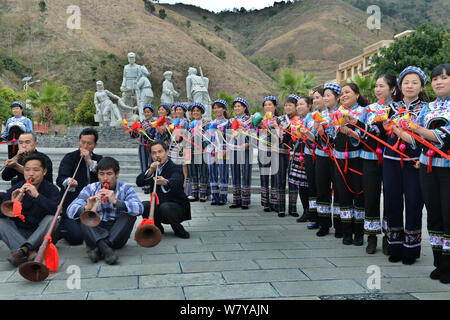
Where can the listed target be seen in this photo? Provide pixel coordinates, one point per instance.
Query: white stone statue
(144, 92)
(168, 91)
(107, 111)
(197, 90)
(127, 103)
(135, 77)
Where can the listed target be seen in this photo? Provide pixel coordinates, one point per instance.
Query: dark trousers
(351, 203)
(167, 213)
(325, 178)
(268, 195)
(371, 179)
(12, 150)
(403, 239)
(303, 193)
(312, 192)
(280, 183)
(145, 160)
(198, 174)
(436, 195)
(70, 230)
(15, 237)
(241, 175)
(218, 178)
(116, 232)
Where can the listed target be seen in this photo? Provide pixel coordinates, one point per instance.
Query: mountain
(109, 30)
(309, 35)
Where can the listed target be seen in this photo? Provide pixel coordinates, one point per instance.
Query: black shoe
(358, 240)
(214, 203)
(182, 234)
(435, 274)
(294, 214)
(347, 239)
(107, 252)
(338, 234)
(221, 204)
(94, 255)
(244, 207)
(266, 209)
(408, 261)
(202, 200)
(281, 214)
(322, 232)
(394, 258)
(193, 199)
(234, 206)
(445, 278)
(371, 244)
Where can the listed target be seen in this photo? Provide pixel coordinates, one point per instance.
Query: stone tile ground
(232, 254)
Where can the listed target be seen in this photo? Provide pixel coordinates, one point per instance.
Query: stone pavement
(232, 254)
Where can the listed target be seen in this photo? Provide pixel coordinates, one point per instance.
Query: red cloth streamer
(17, 210)
(51, 256)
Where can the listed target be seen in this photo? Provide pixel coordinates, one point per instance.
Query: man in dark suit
(87, 173)
(24, 232)
(14, 167)
(174, 206)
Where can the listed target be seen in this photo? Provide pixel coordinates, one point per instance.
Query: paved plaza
(231, 254)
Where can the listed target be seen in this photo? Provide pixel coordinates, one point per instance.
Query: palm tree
(46, 102)
(298, 83)
(366, 86)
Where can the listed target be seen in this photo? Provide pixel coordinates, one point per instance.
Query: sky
(217, 6)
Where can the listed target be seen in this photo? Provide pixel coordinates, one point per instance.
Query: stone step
(127, 157)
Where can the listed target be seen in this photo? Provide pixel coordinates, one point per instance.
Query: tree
(423, 49)
(366, 86)
(291, 58)
(42, 6)
(85, 111)
(298, 83)
(162, 14)
(221, 54)
(52, 96)
(5, 103)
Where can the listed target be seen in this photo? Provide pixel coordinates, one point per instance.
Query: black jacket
(174, 175)
(9, 173)
(67, 168)
(35, 209)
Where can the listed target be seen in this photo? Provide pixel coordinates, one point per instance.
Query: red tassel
(346, 157)
(155, 196)
(51, 256)
(17, 210)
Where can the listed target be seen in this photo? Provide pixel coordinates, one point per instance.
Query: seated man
(14, 167)
(118, 210)
(174, 206)
(87, 173)
(39, 204)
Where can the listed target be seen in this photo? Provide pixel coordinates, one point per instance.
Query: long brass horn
(91, 218)
(147, 234)
(35, 270)
(7, 207)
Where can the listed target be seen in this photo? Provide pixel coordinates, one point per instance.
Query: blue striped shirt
(127, 202)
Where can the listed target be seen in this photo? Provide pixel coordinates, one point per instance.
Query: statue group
(137, 91)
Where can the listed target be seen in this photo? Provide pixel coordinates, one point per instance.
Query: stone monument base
(108, 137)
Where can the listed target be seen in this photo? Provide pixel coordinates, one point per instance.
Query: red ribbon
(51, 256)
